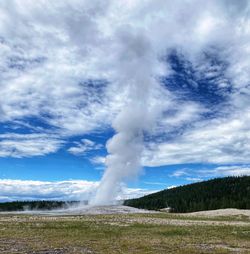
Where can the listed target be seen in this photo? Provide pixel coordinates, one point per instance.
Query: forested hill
(228, 192)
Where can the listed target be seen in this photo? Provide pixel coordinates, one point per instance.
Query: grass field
(127, 233)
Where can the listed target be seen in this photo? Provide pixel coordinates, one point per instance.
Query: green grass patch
(109, 234)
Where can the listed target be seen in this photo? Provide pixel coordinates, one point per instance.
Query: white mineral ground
(221, 212)
(87, 209)
(120, 209)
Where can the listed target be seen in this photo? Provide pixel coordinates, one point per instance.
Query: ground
(138, 233)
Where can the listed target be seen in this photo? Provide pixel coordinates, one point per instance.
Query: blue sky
(130, 96)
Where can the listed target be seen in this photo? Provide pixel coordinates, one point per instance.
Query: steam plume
(125, 147)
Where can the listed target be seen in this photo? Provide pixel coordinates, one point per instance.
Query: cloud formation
(218, 141)
(218, 171)
(28, 145)
(83, 147)
(62, 65)
(11, 190)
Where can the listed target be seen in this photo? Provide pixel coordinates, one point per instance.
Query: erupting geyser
(137, 76)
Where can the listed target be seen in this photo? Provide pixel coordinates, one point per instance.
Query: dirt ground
(221, 212)
(120, 230)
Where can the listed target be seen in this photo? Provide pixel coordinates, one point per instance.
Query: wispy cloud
(99, 160)
(27, 145)
(230, 170)
(194, 179)
(65, 74)
(217, 171)
(59, 190)
(180, 172)
(220, 141)
(83, 147)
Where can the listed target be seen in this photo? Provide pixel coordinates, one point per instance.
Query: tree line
(219, 193)
(35, 205)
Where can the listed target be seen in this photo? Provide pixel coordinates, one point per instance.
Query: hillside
(228, 192)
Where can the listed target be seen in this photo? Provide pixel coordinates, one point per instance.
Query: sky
(77, 75)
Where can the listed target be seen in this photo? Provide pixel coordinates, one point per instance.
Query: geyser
(137, 77)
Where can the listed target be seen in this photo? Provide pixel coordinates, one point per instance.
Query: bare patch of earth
(123, 221)
(86, 210)
(138, 233)
(221, 212)
(8, 246)
(212, 247)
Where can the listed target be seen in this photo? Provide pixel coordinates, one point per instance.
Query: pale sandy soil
(115, 209)
(221, 212)
(181, 219)
(88, 210)
(119, 209)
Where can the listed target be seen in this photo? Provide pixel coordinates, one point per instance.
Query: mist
(137, 77)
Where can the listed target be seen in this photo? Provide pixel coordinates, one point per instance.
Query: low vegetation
(228, 192)
(124, 233)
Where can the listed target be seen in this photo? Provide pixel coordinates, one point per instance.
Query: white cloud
(179, 172)
(83, 147)
(59, 190)
(219, 171)
(194, 179)
(220, 141)
(48, 77)
(230, 170)
(32, 190)
(127, 193)
(26, 145)
(99, 160)
(171, 187)
(49, 52)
